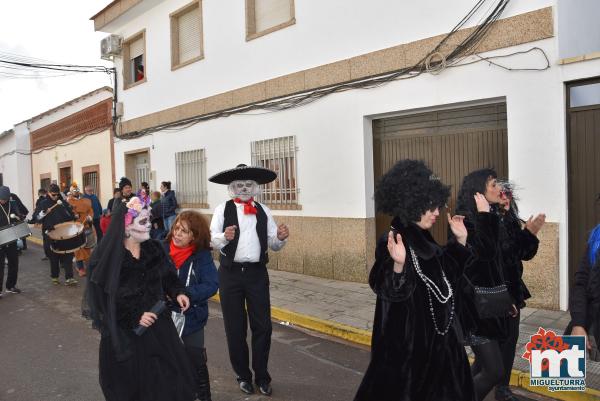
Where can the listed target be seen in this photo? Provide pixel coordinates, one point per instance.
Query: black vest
(230, 214)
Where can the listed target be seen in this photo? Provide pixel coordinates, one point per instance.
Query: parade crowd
(149, 273)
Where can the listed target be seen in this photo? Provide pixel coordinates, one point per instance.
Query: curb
(35, 240)
(339, 330)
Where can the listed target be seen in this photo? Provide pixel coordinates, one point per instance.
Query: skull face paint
(139, 229)
(243, 189)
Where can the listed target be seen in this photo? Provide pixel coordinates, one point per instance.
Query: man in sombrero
(243, 230)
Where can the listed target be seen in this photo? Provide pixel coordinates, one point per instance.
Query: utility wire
(428, 63)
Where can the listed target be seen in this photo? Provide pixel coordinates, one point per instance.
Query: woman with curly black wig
(416, 350)
(478, 190)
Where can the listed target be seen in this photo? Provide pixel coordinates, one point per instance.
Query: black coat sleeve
(21, 211)
(455, 258)
(527, 244)
(394, 287)
(483, 235)
(578, 298)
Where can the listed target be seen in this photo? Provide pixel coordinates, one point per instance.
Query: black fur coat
(409, 360)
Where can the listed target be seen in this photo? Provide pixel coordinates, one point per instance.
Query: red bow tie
(249, 208)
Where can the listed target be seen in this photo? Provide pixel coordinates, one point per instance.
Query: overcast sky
(59, 31)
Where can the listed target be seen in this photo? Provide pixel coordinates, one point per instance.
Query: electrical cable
(428, 63)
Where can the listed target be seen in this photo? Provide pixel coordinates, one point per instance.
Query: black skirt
(158, 369)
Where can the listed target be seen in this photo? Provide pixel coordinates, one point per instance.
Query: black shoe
(14, 290)
(503, 393)
(246, 387)
(45, 258)
(265, 389)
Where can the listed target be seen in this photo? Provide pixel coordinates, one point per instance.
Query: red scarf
(180, 255)
(249, 208)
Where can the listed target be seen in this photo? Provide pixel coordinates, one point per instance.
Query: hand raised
(397, 251)
(483, 206)
(457, 225)
(230, 233)
(534, 225)
(283, 232)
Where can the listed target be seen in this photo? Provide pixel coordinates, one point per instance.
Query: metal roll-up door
(452, 143)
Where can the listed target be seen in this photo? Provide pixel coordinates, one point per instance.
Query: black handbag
(491, 302)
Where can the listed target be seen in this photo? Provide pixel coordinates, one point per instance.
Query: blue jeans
(168, 222)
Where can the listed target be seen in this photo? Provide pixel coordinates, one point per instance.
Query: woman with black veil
(416, 349)
(128, 274)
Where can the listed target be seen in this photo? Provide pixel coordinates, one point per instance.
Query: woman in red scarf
(188, 245)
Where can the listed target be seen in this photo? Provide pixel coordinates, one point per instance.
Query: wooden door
(451, 142)
(583, 132)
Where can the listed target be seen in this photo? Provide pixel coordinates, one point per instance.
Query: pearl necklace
(431, 287)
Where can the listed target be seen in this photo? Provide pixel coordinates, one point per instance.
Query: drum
(67, 237)
(90, 237)
(13, 232)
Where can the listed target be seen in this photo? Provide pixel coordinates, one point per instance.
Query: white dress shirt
(248, 249)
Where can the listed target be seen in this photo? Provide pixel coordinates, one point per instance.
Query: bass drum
(67, 237)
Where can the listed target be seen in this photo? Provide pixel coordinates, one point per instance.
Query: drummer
(52, 211)
(13, 211)
(84, 212)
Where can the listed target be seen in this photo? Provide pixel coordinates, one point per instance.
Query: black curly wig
(474, 182)
(408, 190)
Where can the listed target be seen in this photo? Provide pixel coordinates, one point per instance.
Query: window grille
(91, 179)
(279, 155)
(191, 179)
(45, 183)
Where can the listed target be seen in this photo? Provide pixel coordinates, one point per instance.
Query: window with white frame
(279, 155)
(134, 60)
(266, 16)
(186, 35)
(190, 170)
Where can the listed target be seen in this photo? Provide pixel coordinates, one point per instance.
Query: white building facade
(15, 162)
(505, 107)
(74, 143)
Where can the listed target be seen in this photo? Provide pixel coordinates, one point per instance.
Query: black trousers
(488, 369)
(509, 346)
(57, 260)
(98, 230)
(11, 254)
(244, 287)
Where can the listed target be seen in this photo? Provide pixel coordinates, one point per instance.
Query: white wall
(93, 149)
(326, 31)
(16, 167)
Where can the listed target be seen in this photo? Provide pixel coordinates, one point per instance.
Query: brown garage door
(583, 119)
(451, 142)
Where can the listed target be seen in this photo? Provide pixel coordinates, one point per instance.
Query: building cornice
(112, 11)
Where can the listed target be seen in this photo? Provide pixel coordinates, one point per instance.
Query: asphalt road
(48, 352)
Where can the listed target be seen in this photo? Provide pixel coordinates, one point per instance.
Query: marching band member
(52, 211)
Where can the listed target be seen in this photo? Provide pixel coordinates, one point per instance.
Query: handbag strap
(187, 282)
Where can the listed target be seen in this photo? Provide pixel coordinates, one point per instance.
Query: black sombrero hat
(242, 173)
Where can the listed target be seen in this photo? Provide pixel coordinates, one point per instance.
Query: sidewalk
(345, 310)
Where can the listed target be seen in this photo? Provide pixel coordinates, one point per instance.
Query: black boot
(198, 359)
(203, 379)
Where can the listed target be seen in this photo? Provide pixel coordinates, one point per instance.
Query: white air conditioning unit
(110, 47)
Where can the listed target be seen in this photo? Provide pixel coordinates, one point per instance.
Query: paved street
(50, 353)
